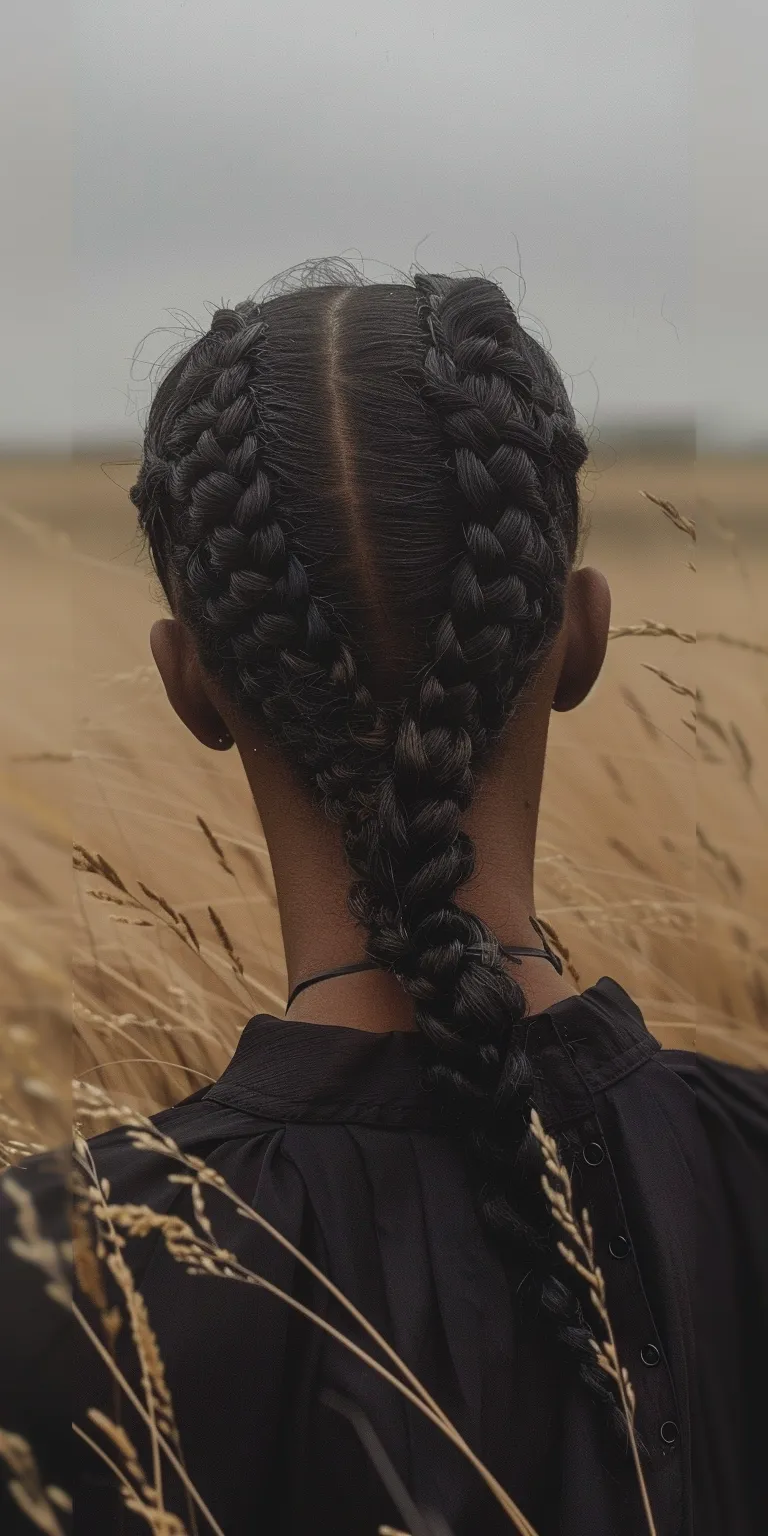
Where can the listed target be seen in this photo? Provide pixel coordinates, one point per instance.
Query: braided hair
(362, 499)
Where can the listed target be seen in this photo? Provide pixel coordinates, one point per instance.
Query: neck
(319, 934)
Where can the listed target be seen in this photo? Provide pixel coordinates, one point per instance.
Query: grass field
(652, 859)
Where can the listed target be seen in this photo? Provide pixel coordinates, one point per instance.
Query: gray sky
(212, 143)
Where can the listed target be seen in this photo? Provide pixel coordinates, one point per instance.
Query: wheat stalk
(735, 640)
(155, 907)
(226, 942)
(685, 524)
(203, 1258)
(137, 1494)
(52, 1259)
(38, 1502)
(125, 1386)
(561, 948)
(671, 682)
(651, 627)
(94, 1194)
(720, 857)
(202, 1255)
(579, 1252)
(90, 1201)
(215, 844)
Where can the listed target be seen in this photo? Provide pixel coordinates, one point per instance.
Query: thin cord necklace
(512, 952)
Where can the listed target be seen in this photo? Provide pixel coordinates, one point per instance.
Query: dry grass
(171, 934)
(650, 868)
(39, 1503)
(577, 1248)
(196, 1248)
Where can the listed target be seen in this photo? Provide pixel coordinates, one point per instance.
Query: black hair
(362, 499)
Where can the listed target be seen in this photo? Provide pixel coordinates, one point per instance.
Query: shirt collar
(286, 1071)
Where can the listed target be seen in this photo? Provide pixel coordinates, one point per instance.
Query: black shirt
(329, 1134)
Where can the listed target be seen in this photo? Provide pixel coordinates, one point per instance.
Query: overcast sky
(168, 154)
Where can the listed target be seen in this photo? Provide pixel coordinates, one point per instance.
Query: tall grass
(649, 867)
(649, 861)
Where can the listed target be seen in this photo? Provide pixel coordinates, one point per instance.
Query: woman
(362, 504)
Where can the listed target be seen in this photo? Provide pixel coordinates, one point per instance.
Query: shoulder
(731, 1101)
(237, 1159)
(731, 1106)
(689, 1138)
(705, 1103)
(137, 1155)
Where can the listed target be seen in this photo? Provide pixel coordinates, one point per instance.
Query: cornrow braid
(238, 582)
(507, 590)
(233, 523)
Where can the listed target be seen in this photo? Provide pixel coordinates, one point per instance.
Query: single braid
(506, 598)
(398, 775)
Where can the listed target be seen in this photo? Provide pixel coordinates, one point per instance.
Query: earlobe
(177, 662)
(588, 616)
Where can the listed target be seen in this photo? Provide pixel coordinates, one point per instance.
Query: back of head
(362, 499)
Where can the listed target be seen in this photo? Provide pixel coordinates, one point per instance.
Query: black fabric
(329, 1134)
(37, 1340)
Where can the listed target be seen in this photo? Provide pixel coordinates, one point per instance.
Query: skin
(311, 875)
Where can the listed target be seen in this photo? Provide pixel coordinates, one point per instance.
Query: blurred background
(604, 163)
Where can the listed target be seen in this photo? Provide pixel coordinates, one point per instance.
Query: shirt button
(669, 1432)
(618, 1247)
(649, 1354)
(593, 1154)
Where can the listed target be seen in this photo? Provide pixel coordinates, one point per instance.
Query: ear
(585, 637)
(177, 662)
